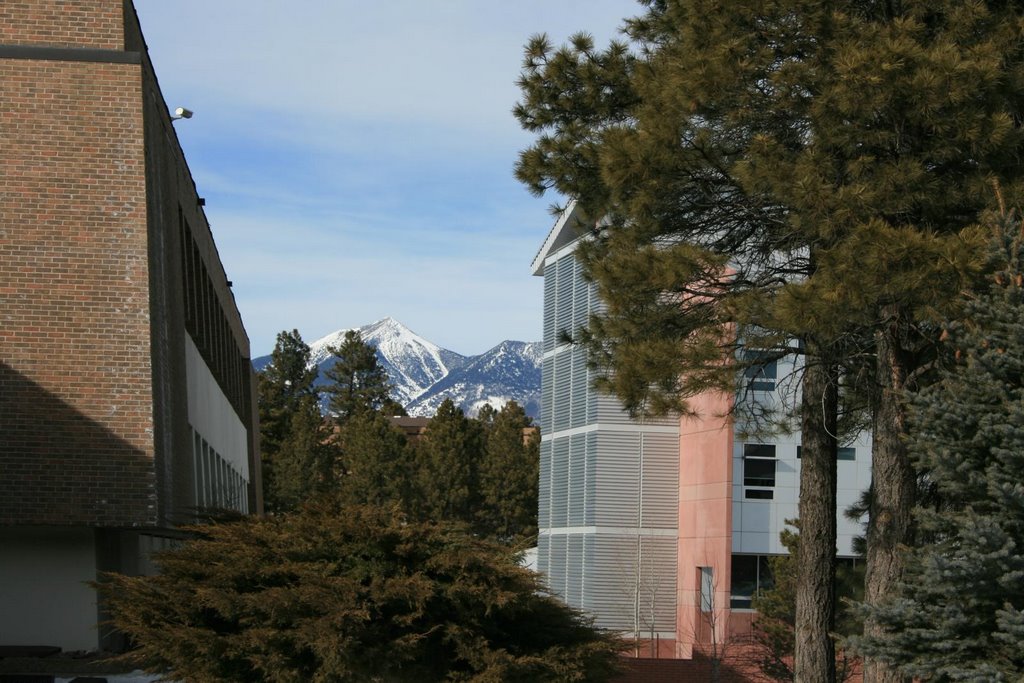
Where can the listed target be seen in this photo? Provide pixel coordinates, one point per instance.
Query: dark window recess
(759, 466)
(759, 494)
(762, 371)
(207, 324)
(844, 453)
(759, 450)
(744, 581)
(751, 574)
(758, 472)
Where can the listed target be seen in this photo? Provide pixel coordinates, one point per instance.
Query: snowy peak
(424, 374)
(412, 363)
(508, 372)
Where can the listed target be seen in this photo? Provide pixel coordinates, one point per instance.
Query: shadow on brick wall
(62, 467)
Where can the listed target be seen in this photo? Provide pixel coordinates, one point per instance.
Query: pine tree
(348, 594)
(357, 382)
(831, 159)
(376, 462)
(508, 476)
(959, 615)
(448, 459)
(291, 433)
(774, 631)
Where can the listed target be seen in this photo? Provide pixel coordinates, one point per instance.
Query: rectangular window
(759, 465)
(208, 479)
(751, 574)
(197, 457)
(744, 581)
(844, 453)
(762, 371)
(707, 589)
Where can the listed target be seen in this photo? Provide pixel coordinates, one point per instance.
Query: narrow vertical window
(707, 589)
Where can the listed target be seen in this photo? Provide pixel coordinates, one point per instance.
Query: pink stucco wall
(705, 520)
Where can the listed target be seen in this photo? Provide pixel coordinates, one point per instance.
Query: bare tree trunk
(815, 660)
(893, 482)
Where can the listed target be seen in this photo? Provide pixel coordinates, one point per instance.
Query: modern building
(661, 530)
(126, 390)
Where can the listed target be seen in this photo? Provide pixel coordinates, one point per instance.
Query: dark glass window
(761, 374)
(751, 574)
(758, 465)
(844, 453)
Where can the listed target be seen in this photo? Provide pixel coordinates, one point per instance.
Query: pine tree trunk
(815, 660)
(893, 482)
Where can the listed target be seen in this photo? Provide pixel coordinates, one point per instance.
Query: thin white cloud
(357, 156)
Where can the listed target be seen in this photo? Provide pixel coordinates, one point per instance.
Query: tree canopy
(790, 170)
(295, 458)
(509, 470)
(356, 381)
(449, 464)
(350, 593)
(959, 613)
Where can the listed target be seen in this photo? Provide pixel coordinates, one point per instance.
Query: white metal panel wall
(579, 389)
(617, 485)
(589, 513)
(660, 480)
(560, 483)
(562, 392)
(578, 476)
(556, 565)
(544, 490)
(609, 486)
(575, 575)
(547, 395)
(611, 580)
(563, 297)
(550, 285)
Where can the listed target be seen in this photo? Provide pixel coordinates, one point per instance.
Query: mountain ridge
(423, 374)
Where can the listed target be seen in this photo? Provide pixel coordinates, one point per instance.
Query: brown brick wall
(94, 24)
(76, 416)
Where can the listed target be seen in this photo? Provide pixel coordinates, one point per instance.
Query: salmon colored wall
(705, 519)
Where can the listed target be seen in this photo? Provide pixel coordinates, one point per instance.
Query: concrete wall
(45, 600)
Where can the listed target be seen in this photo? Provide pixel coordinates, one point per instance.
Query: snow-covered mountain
(413, 364)
(424, 374)
(508, 372)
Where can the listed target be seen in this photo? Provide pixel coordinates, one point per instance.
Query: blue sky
(356, 157)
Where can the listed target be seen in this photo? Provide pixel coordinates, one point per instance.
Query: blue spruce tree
(960, 612)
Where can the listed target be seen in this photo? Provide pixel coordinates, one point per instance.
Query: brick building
(126, 390)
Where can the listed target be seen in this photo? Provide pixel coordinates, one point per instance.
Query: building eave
(563, 232)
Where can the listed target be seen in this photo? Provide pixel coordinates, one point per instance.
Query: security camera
(182, 113)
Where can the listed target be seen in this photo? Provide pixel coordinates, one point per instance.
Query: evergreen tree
(291, 433)
(350, 594)
(376, 462)
(959, 615)
(508, 476)
(356, 382)
(807, 169)
(448, 459)
(774, 631)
